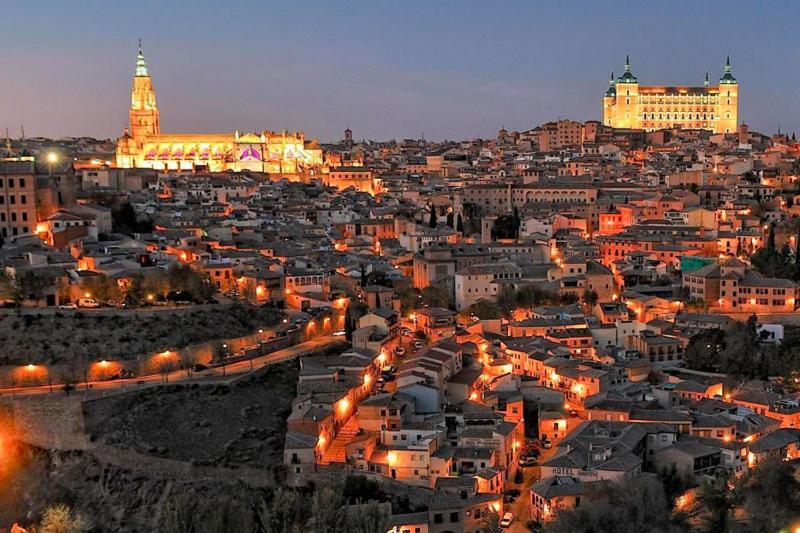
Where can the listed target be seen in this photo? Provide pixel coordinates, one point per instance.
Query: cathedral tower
(144, 119)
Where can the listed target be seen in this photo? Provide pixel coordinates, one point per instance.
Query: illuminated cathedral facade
(627, 104)
(144, 146)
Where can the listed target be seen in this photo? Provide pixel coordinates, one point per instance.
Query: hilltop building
(144, 146)
(627, 104)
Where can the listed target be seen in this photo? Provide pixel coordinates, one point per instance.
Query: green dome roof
(727, 77)
(627, 77)
(612, 90)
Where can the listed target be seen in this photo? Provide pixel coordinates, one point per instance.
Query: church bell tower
(144, 119)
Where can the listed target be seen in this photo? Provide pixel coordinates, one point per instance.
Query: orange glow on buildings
(144, 146)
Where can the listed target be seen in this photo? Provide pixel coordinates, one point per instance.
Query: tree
(363, 270)
(328, 512)
(742, 355)
(432, 219)
(703, 351)
(450, 219)
(713, 505)
(124, 220)
(368, 518)
(378, 277)
(490, 521)
(506, 300)
(460, 224)
(225, 514)
(630, 505)
(287, 512)
(62, 519)
(517, 222)
(771, 496)
(221, 353)
(28, 285)
(409, 299)
(433, 296)
(590, 298)
(504, 227)
(483, 310)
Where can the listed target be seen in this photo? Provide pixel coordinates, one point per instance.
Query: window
(438, 518)
(454, 517)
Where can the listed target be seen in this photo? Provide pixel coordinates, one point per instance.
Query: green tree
(506, 300)
(433, 296)
(714, 505)
(483, 310)
(225, 515)
(742, 355)
(432, 219)
(460, 224)
(590, 298)
(368, 517)
(328, 512)
(703, 351)
(287, 512)
(29, 285)
(771, 494)
(631, 505)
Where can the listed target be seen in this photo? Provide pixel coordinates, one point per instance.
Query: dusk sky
(387, 69)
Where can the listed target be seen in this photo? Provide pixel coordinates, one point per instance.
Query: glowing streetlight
(52, 157)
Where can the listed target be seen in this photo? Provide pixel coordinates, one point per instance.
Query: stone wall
(51, 422)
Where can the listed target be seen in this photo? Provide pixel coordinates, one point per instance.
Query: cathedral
(627, 104)
(144, 146)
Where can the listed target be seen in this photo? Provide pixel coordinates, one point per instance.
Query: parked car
(68, 306)
(406, 332)
(506, 520)
(526, 460)
(546, 444)
(88, 302)
(573, 412)
(400, 351)
(199, 367)
(418, 344)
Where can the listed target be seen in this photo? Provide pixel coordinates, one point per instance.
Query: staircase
(336, 451)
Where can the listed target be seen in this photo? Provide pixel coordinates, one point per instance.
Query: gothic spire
(141, 67)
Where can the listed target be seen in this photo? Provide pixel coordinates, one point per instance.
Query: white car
(68, 306)
(506, 520)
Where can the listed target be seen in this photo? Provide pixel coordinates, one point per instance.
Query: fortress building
(627, 104)
(144, 146)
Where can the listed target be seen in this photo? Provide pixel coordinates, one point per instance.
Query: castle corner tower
(144, 120)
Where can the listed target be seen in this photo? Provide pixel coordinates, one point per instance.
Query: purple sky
(450, 69)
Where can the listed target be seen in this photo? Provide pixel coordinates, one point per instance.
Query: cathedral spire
(141, 67)
(627, 63)
(705, 83)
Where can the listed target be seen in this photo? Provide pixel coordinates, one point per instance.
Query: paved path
(229, 372)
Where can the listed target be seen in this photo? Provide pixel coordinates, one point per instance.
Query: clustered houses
(565, 266)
